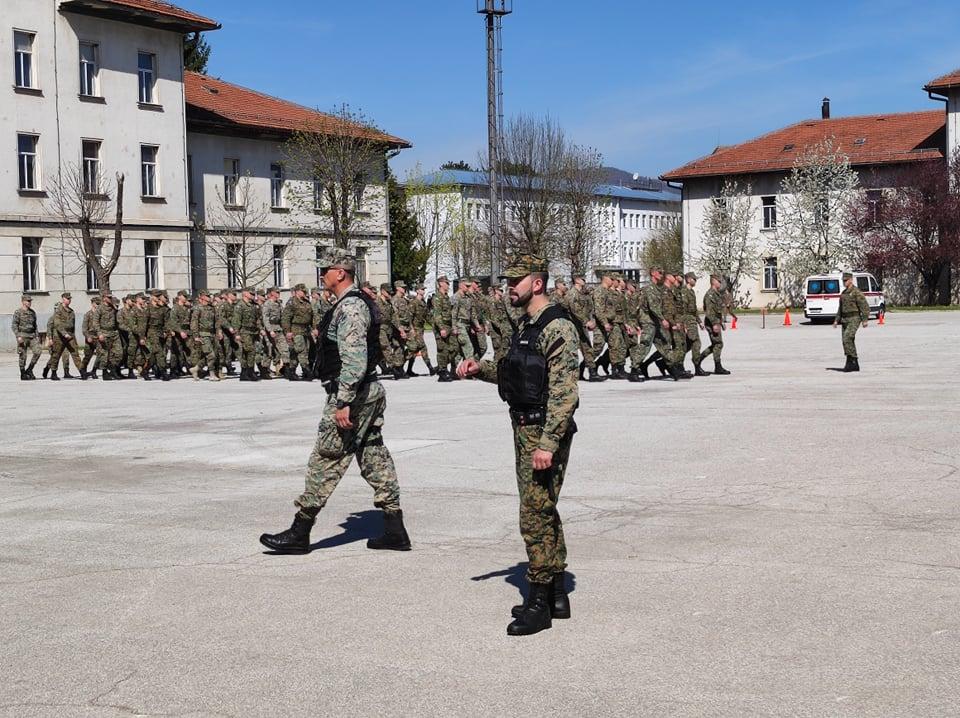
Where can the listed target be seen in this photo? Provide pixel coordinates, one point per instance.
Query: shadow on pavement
(516, 576)
(358, 526)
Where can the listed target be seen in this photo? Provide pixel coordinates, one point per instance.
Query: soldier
(676, 335)
(24, 328)
(107, 329)
(442, 320)
(460, 313)
(352, 421)
(63, 329)
(418, 322)
(320, 308)
(272, 313)
(178, 326)
(538, 380)
(580, 306)
(156, 335)
(501, 324)
(227, 332)
(390, 334)
(262, 350)
(606, 303)
(91, 344)
(851, 313)
(138, 336)
(713, 303)
(691, 322)
(478, 318)
(123, 327)
(246, 320)
(203, 328)
(297, 322)
(403, 314)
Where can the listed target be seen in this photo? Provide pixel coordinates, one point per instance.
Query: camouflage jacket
(713, 307)
(320, 309)
(559, 343)
(402, 312)
(123, 318)
(619, 307)
(246, 317)
(297, 316)
(461, 311)
(688, 298)
(105, 320)
(272, 313)
(478, 310)
(442, 317)
(203, 320)
(64, 320)
(137, 320)
(87, 325)
(156, 320)
(670, 301)
(853, 304)
(179, 319)
(418, 312)
(24, 323)
(349, 322)
(604, 305)
(580, 305)
(388, 320)
(224, 313)
(651, 301)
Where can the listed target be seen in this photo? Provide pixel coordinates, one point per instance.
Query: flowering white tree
(730, 247)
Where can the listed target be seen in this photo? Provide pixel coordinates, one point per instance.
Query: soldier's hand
(315, 333)
(665, 324)
(468, 368)
(198, 340)
(443, 333)
(608, 327)
(143, 342)
(68, 337)
(591, 325)
(865, 325)
(20, 340)
(403, 334)
(716, 328)
(183, 335)
(102, 338)
(342, 417)
(542, 460)
(273, 335)
(290, 336)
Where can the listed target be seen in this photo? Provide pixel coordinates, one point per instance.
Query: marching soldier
(442, 321)
(605, 309)
(107, 328)
(538, 380)
(390, 334)
(272, 313)
(403, 315)
(139, 356)
(91, 344)
(691, 322)
(63, 327)
(24, 327)
(123, 327)
(501, 325)
(461, 318)
(352, 420)
(297, 322)
(418, 321)
(851, 313)
(203, 328)
(156, 334)
(246, 320)
(713, 306)
(262, 344)
(580, 307)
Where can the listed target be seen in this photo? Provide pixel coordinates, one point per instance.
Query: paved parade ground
(780, 541)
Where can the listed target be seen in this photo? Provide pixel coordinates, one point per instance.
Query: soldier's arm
(285, 316)
(836, 320)
(352, 329)
(15, 323)
(559, 343)
(864, 307)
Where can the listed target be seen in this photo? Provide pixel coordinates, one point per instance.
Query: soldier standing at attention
(246, 319)
(538, 380)
(418, 322)
(580, 306)
(203, 327)
(24, 327)
(713, 303)
(852, 312)
(64, 329)
(272, 313)
(352, 421)
(691, 322)
(106, 325)
(91, 345)
(442, 320)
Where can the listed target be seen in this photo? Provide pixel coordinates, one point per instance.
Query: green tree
(458, 165)
(408, 258)
(665, 250)
(196, 52)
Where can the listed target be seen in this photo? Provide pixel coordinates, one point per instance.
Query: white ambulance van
(822, 294)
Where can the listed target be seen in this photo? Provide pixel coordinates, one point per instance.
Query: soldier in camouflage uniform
(538, 380)
(272, 313)
(298, 324)
(460, 314)
(478, 318)
(320, 307)
(262, 346)
(156, 336)
(246, 320)
(390, 334)
(403, 314)
(691, 322)
(442, 321)
(138, 336)
(123, 327)
(418, 322)
(639, 315)
(501, 324)
(63, 331)
(677, 335)
(852, 312)
(91, 345)
(107, 330)
(227, 331)
(24, 328)
(713, 303)
(178, 325)
(203, 328)
(580, 306)
(606, 308)
(352, 421)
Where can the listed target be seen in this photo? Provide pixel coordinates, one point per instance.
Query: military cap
(228, 290)
(183, 293)
(95, 299)
(523, 264)
(689, 275)
(717, 277)
(316, 290)
(655, 268)
(847, 275)
(26, 298)
(386, 287)
(261, 292)
(366, 285)
(337, 257)
(66, 295)
(615, 275)
(273, 289)
(422, 287)
(399, 284)
(443, 278)
(465, 280)
(155, 293)
(251, 290)
(575, 277)
(300, 287)
(203, 293)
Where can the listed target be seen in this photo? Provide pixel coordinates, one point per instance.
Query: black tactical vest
(522, 374)
(328, 357)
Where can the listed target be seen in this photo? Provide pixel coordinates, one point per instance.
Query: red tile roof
(866, 140)
(156, 9)
(951, 79)
(215, 104)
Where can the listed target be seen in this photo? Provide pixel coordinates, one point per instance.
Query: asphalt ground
(781, 541)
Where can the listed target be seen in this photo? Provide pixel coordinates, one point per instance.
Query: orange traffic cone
(880, 320)
(786, 318)
(734, 325)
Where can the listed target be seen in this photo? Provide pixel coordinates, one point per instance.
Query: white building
(98, 88)
(878, 146)
(631, 209)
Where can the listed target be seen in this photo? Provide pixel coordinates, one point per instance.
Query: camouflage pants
(91, 349)
(446, 351)
(137, 352)
(181, 350)
(500, 338)
(157, 351)
(849, 336)
(692, 340)
(300, 352)
(415, 343)
(663, 341)
(589, 358)
(60, 345)
(336, 447)
(540, 525)
(480, 344)
(28, 344)
(390, 347)
(614, 339)
(464, 343)
(111, 350)
(279, 349)
(204, 351)
(716, 340)
(640, 350)
(248, 349)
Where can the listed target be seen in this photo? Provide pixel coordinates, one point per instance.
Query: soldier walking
(851, 313)
(691, 322)
(91, 344)
(272, 313)
(418, 322)
(538, 380)
(24, 327)
(107, 329)
(156, 335)
(442, 320)
(713, 307)
(63, 330)
(203, 328)
(352, 420)
(246, 319)
(461, 318)
(580, 306)
(297, 323)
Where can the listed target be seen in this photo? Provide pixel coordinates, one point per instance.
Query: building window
(190, 179)
(320, 251)
(279, 266)
(771, 282)
(91, 166)
(769, 212)
(231, 176)
(317, 195)
(32, 275)
(147, 74)
(361, 254)
(27, 162)
(23, 58)
(276, 186)
(874, 202)
(89, 69)
(148, 170)
(92, 283)
(151, 263)
(233, 265)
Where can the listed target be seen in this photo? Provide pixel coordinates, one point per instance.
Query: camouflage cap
(156, 293)
(716, 277)
(847, 275)
(94, 300)
(337, 257)
(421, 287)
(261, 292)
(443, 278)
(690, 275)
(575, 277)
(300, 287)
(271, 290)
(385, 287)
(399, 284)
(316, 290)
(465, 280)
(26, 298)
(655, 268)
(228, 291)
(66, 295)
(203, 293)
(523, 264)
(183, 293)
(249, 290)
(366, 285)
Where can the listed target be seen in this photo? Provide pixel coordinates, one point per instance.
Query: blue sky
(651, 85)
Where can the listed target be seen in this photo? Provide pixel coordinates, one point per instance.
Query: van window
(831, 286)
(814, 286)
(862, 284)
(874, 285)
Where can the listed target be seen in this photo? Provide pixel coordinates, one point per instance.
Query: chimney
(825, 109)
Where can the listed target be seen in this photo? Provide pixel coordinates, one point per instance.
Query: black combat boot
(595, 375)
(718, 369)
(290, 372)
(93, 373)
(698, 370)
(856, 364)
(848, 367)
(410, 371)
(559, 601)
(107, 374)
(145, 374)
(430, 367)
(46, 371)
(30, 374)
(398, 373)
(252, 375)
(619, 372)
(265, 373)
(444, 376)
(307, 375)
(165, 375)
(295, 539)
(603, 362)
(244, 376)
(394, 534)
(583, 370)
(230, 369)
(24, 376)
(635, 375)
(67, 374)
(53, 376)
(535, 616)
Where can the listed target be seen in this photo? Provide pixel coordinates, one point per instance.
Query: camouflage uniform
(501, 327)
(442, 319)
(63, 328)
(226, 334)
(138, 356)
(691, 323)
(181, 348)
(246, 320)
(403, 316)
(203, 328)
(418, 321)
(851, 313)
(297, 319)
(272, 313)
(389, 333)
(24, 328)
(156, 335)
(478, 318)
(713, 319)
(580, 306)
(606, 303)
(669, 300)
(91, 344)
(460, 314)
(645, 324)
(106, 325)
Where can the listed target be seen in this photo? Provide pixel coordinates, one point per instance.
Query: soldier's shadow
(358, 526)
(516, 576)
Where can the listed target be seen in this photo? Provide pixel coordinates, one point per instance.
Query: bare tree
(730, 248)
(665, 248)
(811, 235)
(339, 161)
(469, 249)
(584, 219)
(233, 235)
(80, 200)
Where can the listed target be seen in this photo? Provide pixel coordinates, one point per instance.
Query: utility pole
(494, 10)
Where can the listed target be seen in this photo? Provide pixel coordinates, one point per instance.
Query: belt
(332, 387)
(534, 417)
